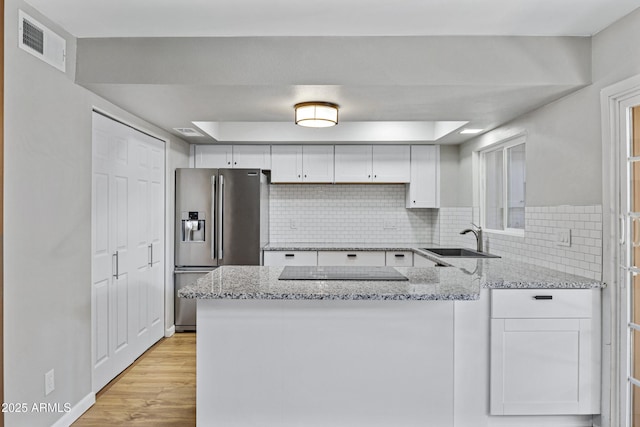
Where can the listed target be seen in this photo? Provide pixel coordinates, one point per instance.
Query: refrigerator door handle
(221, 218)
(213, 217)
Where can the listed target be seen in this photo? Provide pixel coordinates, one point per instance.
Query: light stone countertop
(258, 282)
(461, 280)
(345, 246)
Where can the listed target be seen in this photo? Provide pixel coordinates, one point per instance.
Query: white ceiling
(371, 87)
(193, 18)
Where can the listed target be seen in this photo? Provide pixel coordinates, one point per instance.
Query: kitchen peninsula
(353, 353)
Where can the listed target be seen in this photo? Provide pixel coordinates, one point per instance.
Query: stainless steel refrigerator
(222, 218)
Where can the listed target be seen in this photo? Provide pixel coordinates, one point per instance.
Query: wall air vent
(41, 42)
(188, 131)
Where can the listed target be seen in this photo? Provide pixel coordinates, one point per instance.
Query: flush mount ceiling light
(316, 114)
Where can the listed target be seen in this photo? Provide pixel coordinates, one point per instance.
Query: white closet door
(156, 241)
(128, 180)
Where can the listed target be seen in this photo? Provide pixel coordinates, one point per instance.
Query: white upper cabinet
(317, 163)
(297, 163)
(391, 163)
(377, 163)
(424, 189)
(213, 156)
(353, 163)
(286, 163)
(252, 156)
(233, 156)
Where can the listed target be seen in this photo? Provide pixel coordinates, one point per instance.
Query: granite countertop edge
(330, 297)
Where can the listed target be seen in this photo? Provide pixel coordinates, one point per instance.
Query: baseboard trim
(170, 331)
(76, 411)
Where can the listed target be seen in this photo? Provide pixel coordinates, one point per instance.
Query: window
(503, 189)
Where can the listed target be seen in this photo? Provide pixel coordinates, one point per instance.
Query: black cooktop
(340, 273)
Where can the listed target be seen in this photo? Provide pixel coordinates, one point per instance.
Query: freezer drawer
(185, 309)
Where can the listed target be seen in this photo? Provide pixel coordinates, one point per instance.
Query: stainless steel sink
(458, 253)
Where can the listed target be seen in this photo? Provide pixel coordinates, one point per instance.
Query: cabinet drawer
(399, 258)
(277, 258)
(370, 258)
(420, 261)
(541, 303)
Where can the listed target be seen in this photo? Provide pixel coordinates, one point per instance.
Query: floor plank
(159, 389)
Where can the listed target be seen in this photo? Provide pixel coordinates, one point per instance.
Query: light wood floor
(159, 389)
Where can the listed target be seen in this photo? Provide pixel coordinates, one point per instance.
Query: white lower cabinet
(399, 258)
(277, 258)
(420, 261)
(545, 351)
(364, 258)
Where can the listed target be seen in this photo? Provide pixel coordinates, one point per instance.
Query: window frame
(503, 146)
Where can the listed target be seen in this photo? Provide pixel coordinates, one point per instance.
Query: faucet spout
(477, 232)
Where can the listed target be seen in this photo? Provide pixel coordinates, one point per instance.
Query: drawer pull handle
(289, 255)
(351, 255)
(399, 255)
(543, 297)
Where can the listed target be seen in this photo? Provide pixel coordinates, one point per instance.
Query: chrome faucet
(477, 231)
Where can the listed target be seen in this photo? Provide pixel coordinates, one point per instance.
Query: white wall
(564, 153)
(47, 275)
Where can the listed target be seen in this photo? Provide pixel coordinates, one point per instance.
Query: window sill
(510, 232)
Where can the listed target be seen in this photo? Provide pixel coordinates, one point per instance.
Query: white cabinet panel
(391, 163)
(278, 258)
(365, 258)
(297, 163)
(420, 261)
(353, 163)
(399, 258)
(252, 156)
(541, 303)
(317, 163)
(233, 156)
(545, 352)
(286, 163)
(424, 189)
(213, 156)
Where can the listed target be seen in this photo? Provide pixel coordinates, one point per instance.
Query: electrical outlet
(389, 224)
(292, 224)
(563, 237)
(49, 382)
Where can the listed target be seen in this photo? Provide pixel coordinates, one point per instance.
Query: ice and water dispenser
(193, 226)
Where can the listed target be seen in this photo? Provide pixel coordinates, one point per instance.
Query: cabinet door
(339, 258)
(286, 163)
(252, 156)
(541, 366)
(213, 156)
(278, 258)
(399, 258)
(353, 163)
(317, 163)
(424, 189)
(391, 163)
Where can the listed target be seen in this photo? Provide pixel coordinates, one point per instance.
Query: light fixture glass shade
(316, 114)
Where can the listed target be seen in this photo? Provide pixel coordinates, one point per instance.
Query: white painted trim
(76, 411)
(502, 145)
(614, 399)
(170, 331)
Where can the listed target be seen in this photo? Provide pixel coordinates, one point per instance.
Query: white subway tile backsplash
(377, 214)
(347, 214)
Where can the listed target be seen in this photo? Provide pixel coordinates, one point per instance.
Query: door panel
(240, 212)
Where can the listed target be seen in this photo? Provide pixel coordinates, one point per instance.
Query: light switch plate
(563, 237)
